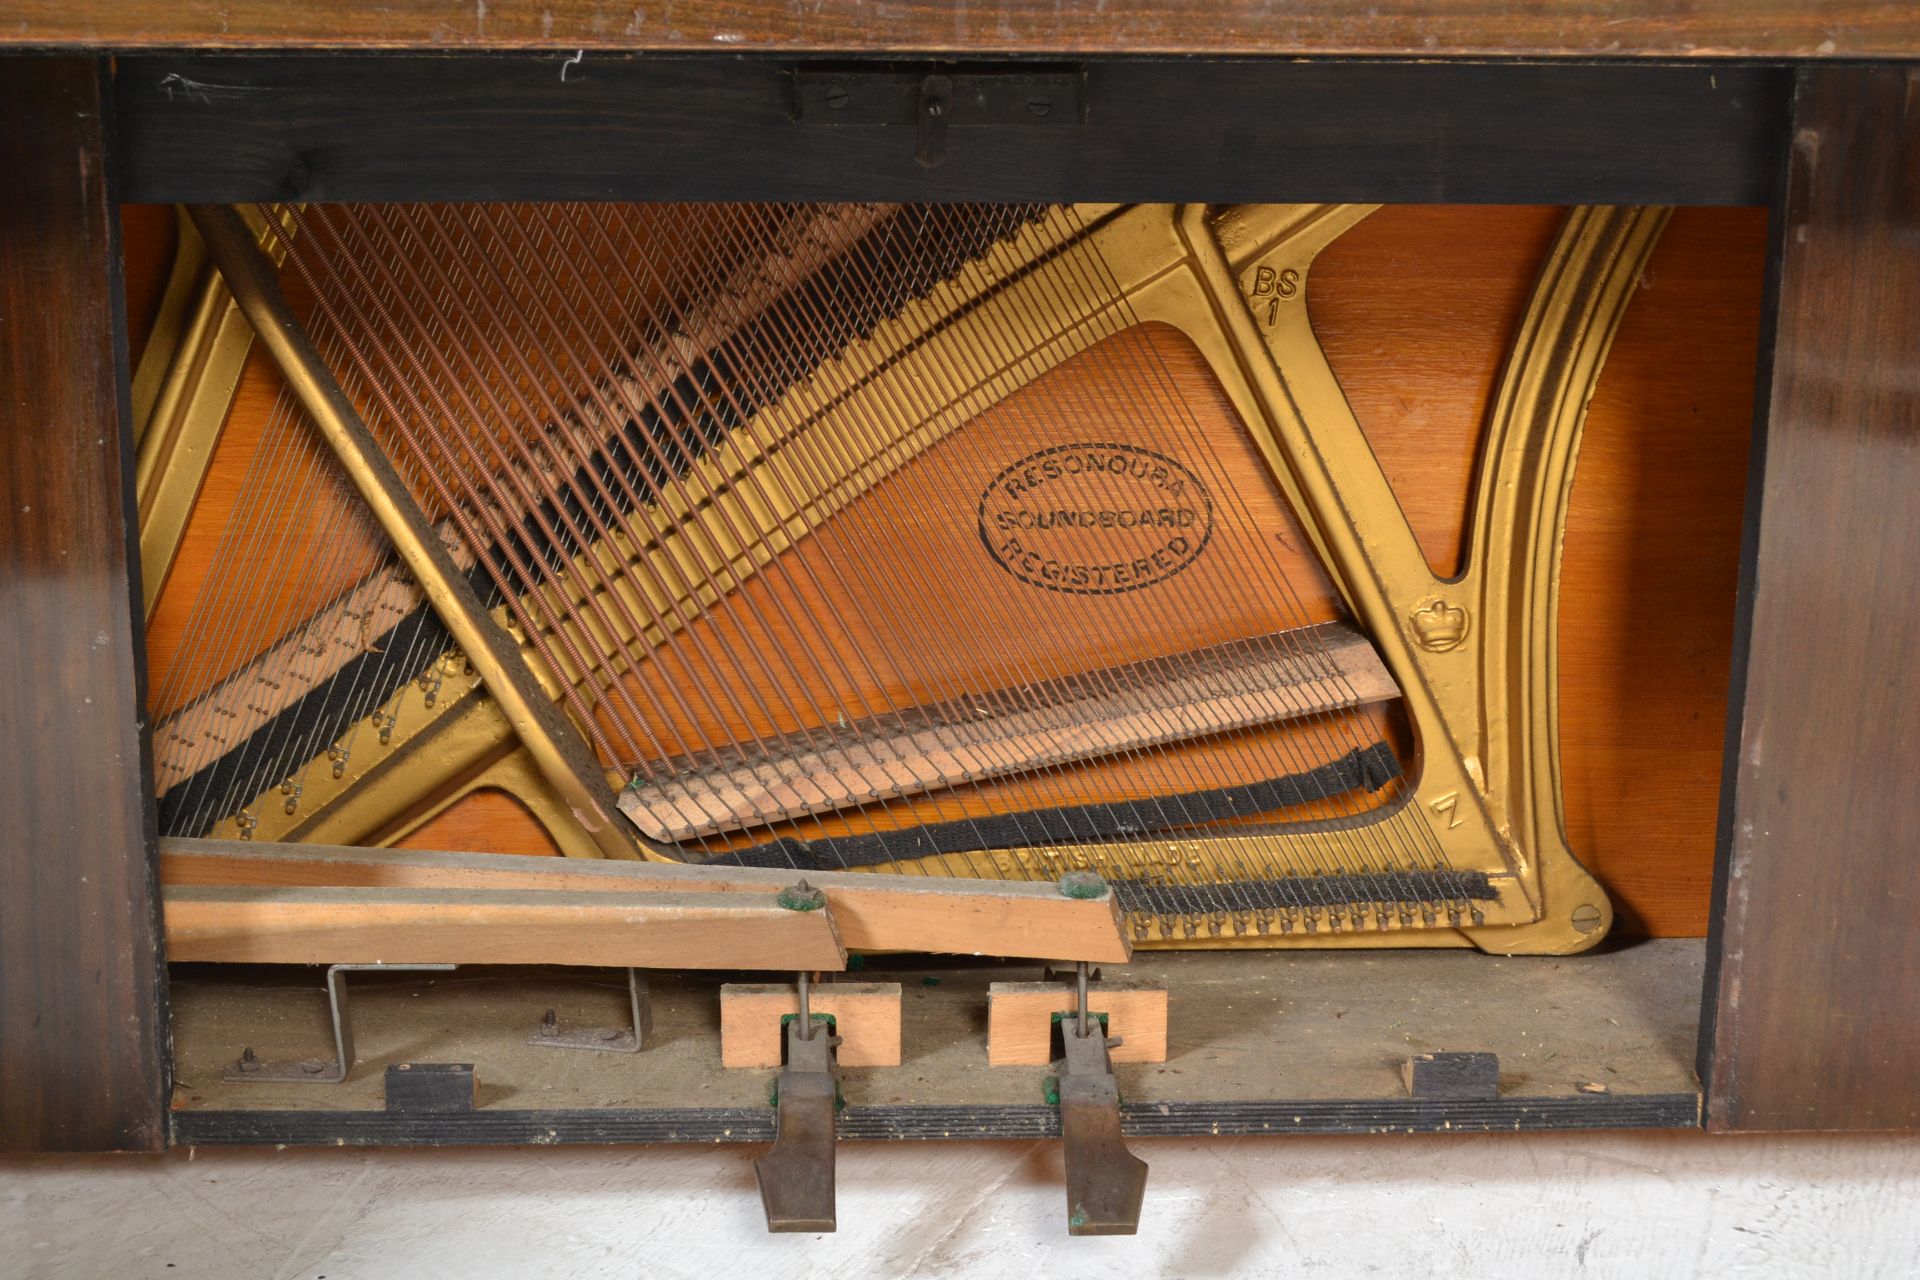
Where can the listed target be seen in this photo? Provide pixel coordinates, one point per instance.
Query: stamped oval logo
(1095, 519)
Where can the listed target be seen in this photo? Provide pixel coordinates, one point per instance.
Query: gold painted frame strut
(183, 392)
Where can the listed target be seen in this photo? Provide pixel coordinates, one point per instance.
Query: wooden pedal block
(866, 1017)
(1020, 1021)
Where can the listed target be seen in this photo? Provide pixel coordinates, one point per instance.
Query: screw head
(1039, 105)
(1586, 917)
(1083, 884)
(837, 98)
(801, 897)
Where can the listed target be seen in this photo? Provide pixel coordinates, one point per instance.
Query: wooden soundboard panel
(1414, 308)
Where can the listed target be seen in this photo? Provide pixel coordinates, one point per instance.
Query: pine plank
(257, 925)
(866, 1017)
(874, 912)
(1020, 1021)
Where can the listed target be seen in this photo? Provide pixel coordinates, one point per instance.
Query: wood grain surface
(1414, 308)
(550, 126)
(83, 1063)
(280, 925)
(1814, 1005)
(866, 1017)
(873, 912)
(1715, 29)
(1020, 1020)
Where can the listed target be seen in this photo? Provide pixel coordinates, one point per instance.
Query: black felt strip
(1368, 768)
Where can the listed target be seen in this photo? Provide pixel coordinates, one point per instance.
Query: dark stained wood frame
(1813, 1006)
(199, 128)
(1813, 984)
(83, 1062)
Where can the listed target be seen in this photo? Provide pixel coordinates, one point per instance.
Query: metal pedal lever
(1105, 1182)
(249, 1069)
(629, 1039)
(796, 1177)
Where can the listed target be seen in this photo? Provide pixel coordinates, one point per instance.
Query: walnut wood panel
(1815, 1017)
(82, 1057)
(1485, 28)
(148, 233)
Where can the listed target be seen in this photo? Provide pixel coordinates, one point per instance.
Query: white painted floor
(1639, 1205)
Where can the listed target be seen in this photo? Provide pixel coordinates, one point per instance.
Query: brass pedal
(1105, 1182)
(796, 1177)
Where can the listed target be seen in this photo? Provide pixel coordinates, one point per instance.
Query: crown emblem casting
(1439, 626)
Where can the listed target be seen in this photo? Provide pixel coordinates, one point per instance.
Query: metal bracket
(1105, 1182)
(796, 1177)
(629, 1039)
(248, 1069)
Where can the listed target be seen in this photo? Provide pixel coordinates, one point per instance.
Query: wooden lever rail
(872, 912)
(259, 924)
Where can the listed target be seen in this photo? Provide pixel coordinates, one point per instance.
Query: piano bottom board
(1258, 1043)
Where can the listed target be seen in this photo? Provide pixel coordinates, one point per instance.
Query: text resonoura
(1095, 519)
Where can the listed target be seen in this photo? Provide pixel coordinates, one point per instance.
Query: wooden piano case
(1744, 520)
